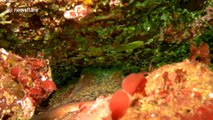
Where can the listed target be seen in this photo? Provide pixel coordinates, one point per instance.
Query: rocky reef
(103, 33)
(180, 90)
(148, 41)
(25, 82)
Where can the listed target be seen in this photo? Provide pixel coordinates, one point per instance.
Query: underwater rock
(93, 83)
(91, 110)
(24, 83)
(177, 91)
(182, 90)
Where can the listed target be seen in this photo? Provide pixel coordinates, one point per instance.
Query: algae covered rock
(24, 83)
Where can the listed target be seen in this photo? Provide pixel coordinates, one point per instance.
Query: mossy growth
(128, 36)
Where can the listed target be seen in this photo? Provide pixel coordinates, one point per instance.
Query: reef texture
(182, 90)
(129, 34)
(177, 91)
(24, 83)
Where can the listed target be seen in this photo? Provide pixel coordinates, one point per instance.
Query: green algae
(126, 36)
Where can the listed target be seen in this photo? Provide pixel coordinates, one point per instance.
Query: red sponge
(119, 104)
(134, 82)
(15, 71)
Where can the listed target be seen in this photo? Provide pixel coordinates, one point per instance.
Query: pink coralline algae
(24, 83)
(78, 12)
